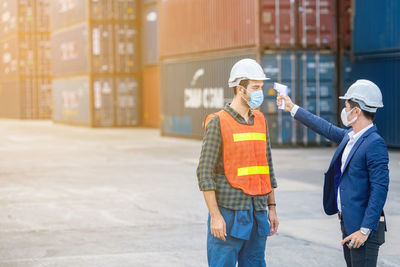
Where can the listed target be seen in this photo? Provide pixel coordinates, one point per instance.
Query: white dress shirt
(353, 139)
(350, 144)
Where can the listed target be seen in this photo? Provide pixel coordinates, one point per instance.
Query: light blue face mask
(256, 98)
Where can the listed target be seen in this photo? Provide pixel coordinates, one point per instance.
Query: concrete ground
(72, 196)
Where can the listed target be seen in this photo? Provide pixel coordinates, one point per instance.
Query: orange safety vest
(244, 153)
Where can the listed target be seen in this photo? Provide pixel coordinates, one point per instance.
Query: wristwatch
(365, 231)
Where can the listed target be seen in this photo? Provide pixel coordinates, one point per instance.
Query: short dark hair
(243, 83)
(367, 114)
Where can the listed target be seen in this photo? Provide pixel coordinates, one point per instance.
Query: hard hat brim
(237, 81)
(245, 78)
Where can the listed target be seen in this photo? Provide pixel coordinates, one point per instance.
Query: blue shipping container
(281, 67)
(317, 82)
(311, 78)
(316, 65)
(310, 137)
(192, 88)
(316, 75)
(347, 77)
(317, 91)
(384, 71)
(325, 105)
(376, 26)
(177, 125)
(282, 128)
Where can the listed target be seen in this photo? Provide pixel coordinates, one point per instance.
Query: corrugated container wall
(376, 26)
(71, 51)
(151, 96)
(71, 100)
(18, 54)
(94, 44)
(345, 18)
(384, 71)
(317, 24)
(192, 89)
(310, 76)
(127, 107)
(114, 100)
(192, 26)
(45, 96)
(150, 35)
(151, 69)
(18, 98)
(282, 67)
(125, 48)
(294, 24)
(25, 61)
(43, 59)
(317, 89)
(66, 12)
(10, 99)
(17, 16)
(278, 24)
(376, 57)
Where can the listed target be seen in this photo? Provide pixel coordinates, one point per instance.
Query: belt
(381, 219)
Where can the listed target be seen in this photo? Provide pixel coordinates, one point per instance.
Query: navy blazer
(364, 182)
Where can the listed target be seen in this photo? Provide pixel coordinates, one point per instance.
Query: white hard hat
(366, 94)
(246, 69)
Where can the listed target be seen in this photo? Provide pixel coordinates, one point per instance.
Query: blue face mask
(256, 99)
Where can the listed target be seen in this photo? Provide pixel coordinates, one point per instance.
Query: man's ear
(237, 89)
(240, 89)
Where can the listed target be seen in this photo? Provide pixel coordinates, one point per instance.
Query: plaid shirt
(211, 174)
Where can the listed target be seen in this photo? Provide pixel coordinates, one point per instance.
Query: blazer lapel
(356, 145)
(339, 150)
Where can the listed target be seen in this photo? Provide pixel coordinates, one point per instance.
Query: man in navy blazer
(357, 180)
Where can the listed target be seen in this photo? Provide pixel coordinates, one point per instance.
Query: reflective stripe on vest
(245, 153)
(253, 170)
(249, 137)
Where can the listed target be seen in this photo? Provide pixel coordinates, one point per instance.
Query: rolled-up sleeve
(274, 184)
(210, 152)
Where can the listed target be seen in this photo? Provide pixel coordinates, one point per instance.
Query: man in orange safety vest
(236, 175)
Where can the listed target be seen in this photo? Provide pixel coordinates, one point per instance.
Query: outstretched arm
(315, 123)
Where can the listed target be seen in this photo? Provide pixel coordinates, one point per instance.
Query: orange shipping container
(345, 23)
(317, 23)
(193, 26)
(278, 24)
(151, 96)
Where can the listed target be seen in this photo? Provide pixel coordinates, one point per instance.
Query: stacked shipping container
(376, 56)
(193, 26)
(294, 24)
(199, 43)
(151, 67)
(310, 34)
(25, 90)
(310, 76)
(95, 62)
(192, 88)
(295, 41)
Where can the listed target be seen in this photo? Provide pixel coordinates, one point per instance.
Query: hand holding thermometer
(283, 90)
